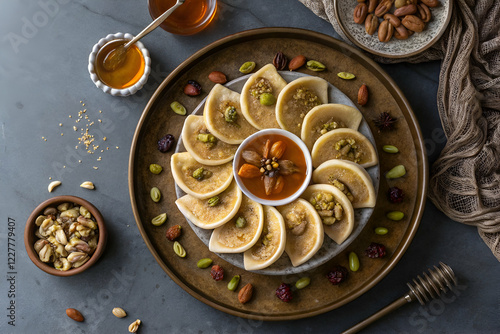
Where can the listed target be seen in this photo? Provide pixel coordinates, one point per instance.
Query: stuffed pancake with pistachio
(334, 208)
(326, 117)
(345, 144)
(271, 244)
(304, 236)
(350, 178)
(297, 99)
(258, 97)
(198, 180)
(213, 212)
(203, 145)
(223, 116)
(241, 232)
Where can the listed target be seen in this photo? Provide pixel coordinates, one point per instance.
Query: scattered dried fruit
(192, 88)
(53, 185)
(375, 250)
(245, 293)
(280, 61)
(284, 292)
(119, 312)
(173, 232)
(337, 275)
(134, 326)
(385, 121)
(217, 272)
(363, 95)
(395, 195)
(74, 314)
(297, 63)
(217, 77)
(166, 143)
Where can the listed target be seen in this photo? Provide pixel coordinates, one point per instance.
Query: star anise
(385, 121)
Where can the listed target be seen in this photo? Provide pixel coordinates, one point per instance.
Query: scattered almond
(119, 312)
(217, 77)
(297, 63)
(134, 326)
(363, 95)
(245, 294)
(74, 314)
(87, 185)
(53, 185)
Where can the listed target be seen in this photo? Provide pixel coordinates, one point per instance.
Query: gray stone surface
(43, 78)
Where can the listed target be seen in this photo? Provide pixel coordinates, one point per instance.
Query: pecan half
(371, 24)
(372, 4)
(393, 19)
(413, 23)
(431, 3)
(360, 13)
(406, 10)
(424, 12)
(383, 7)
(401, 32)
(385, 31)
(280, 61)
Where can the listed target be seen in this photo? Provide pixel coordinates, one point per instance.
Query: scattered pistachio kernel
(178, 108)
(302, 283)
(353, 261)
(53, 185)
(315, 66)
(247, 67)
(87, 185)
(179, 250)
(213, 201)
(230, 114)
(198, 173)
(159, 220)
(381, 230)
(395, 215)
(267, 99)
(241, 222)
(155, 168)
(346, 75)
(390, 149)
(155, 194)
(119, 312)
(204, 263)
(233, 283)
(396, 172)
(206, 138)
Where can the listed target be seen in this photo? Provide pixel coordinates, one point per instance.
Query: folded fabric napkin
(465, 179)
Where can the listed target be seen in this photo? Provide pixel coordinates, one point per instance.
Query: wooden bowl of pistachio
(65, 235)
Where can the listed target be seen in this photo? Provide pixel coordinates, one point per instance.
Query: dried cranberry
(337, 275)
(375, 250)
(284, 292)
(166, 143)
(217, 272)
(395, 195)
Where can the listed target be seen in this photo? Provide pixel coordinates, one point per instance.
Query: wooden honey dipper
(429, 287)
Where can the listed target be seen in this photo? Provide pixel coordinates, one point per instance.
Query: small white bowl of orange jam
(130, 76)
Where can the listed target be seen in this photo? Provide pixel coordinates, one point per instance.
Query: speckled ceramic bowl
(30, 237)
(110, 90)
(415, 44)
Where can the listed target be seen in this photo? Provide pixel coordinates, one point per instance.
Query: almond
(249, 171)
(217, 77)
(245, 294)
(363, 95)
(74, 314)
(296, 63)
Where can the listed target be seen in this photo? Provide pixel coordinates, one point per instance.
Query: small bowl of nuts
(65, 235)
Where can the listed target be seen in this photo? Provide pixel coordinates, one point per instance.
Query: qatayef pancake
(297, 99)
(212, 179)
(350, 178)
(345, 144)
(326, 117)
(230, 238)
(223, 116)
(319, 195)
(208, 153)
(205, 216)
(271, 244)
(265, 80)
(304, 227)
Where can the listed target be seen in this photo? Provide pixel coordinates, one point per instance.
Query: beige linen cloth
(465, 180)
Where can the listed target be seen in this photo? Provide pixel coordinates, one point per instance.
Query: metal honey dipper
(429, 287)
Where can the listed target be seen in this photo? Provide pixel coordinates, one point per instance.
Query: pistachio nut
(155, 168)
(385, 31)
(178, 108)
(247, 67)
(155, 194)
(371, 24)
(159, 220)
(315, 65)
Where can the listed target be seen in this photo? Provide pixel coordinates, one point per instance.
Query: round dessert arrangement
(277, 191)
(239, 157)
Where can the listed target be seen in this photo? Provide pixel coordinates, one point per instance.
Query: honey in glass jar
(190, 18)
